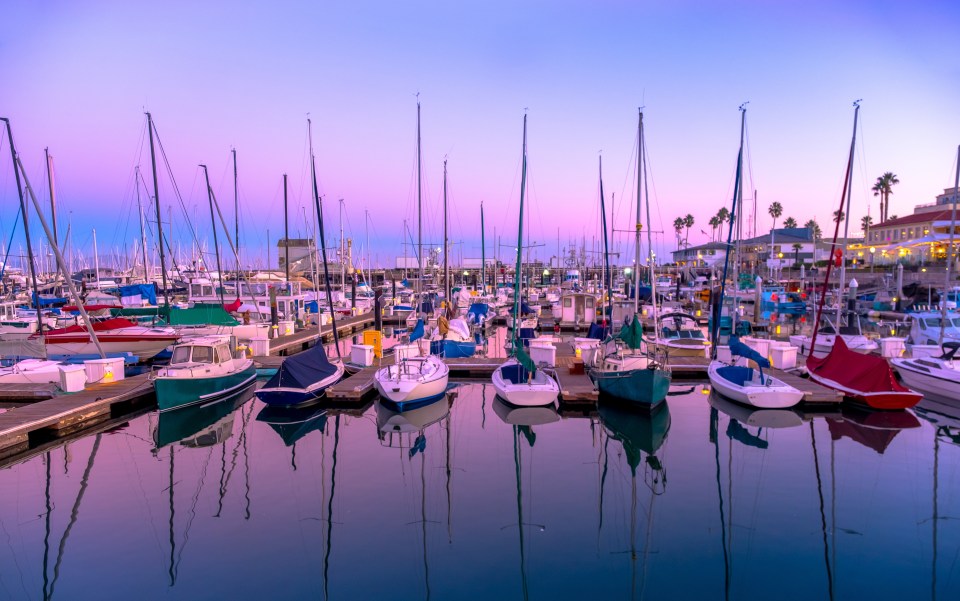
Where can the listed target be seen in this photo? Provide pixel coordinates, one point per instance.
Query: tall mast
(516, 278)
(323, 244)
(143, 229)
(953, 223)
(213, 222)
(53, 202)
(446, 243)
(96, 258)
(734, 216)
(639, 224)
(236, 215)
(848, 186)
(286, 232)
(419, 212)
(607, 279)
(156, 199)
(483, 254)
(650, 255)
(26, 231)
(343, 256)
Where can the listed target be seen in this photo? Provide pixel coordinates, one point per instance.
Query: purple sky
(222, 75)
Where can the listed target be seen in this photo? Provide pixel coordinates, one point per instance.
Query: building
(918, 238)
(790, 246)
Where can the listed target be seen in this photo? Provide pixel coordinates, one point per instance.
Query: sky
(216, 76)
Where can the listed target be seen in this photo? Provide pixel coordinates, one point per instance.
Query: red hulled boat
(865, 378)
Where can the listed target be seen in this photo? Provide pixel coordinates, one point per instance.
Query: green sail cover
(524, 359)
(200, 314)
(632, 335)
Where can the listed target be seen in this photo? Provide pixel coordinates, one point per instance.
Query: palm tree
(796, 252)
(775, 210)
(723, 216)
(839, 216)
(865, 223)
(814, 228)
(790, 223)
(714, 224)
(884, 188)
(688, 223)
(678, 224)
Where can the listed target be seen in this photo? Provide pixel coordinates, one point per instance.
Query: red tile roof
(915, 218)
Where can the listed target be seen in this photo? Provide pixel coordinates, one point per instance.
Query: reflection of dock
(28, 426)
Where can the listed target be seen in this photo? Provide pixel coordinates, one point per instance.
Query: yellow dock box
(375, 339)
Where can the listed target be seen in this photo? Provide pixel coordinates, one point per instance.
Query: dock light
(705, 390)
(546, 272)
(465, 272)
(628, 271)
(699, 312)
(778, 329)
(779, 255)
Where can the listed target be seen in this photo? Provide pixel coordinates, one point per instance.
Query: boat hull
(642, 387)
(542, 390)
(283, 396)
(942, 383)
(886, 400)
(771, 394)
(413, 388)
(82, 345)
(453, 349)
(681, 350)
(174, 393)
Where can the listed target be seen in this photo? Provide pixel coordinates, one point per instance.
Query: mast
(286, 232)
(213, 222)
(236, 217)
(639, 224)
(143, 233)
(651, 257)
(953, 223)
(446, 244)
(26, 231)
(419, 213)
(847, 180)
(483, 254)
(608, 280)
(515, 336)
(323, 246)
(96, 258)
(156, 199)
(343, 264)
(848, 188)
(53, 201)
(734, 217)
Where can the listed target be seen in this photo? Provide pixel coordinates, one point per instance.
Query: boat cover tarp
(201, 314)
(598, 331)
(136, 293)
(477, 311)
(233, 307)
(417, 332)
(75, 309)
(46, 301)
(426, 307)
(632, 334)
(525, 308)
(302, 369)
(115, 323)
(863, 373)
(310, 306)
(526, 361)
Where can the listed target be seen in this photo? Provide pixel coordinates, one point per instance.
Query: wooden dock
(813, 392)
(28, 426)
(304, 339)
(27, 392)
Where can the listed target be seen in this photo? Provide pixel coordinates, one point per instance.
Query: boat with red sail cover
(868, 379)
(115, 336)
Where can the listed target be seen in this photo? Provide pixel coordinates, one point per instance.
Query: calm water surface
(468, 499)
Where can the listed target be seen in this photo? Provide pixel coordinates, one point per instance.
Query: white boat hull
(772, 393)
(412, 380)
(933, 377)
(541, 390)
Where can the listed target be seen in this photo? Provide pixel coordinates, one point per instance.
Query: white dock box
(406, 351)
(73, 378)
(104, 370)
(891, 348)
(543, 353)
(286, 327)
(783, 356)
(362, 354)
(260, 346)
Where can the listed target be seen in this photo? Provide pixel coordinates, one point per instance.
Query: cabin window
(181, 354)
(589, 302)
(202, 354)
(223, 354)
(568, 302)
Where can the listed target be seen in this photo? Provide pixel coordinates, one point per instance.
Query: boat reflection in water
(743, 416)
(393, 425)
(525, 416)
(293, 423)
(202, 425)
(873, 429)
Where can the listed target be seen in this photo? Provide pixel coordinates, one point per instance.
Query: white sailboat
(414, 381)
(738, 382)
(518, 381)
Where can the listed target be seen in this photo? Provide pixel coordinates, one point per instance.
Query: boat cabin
(290, 299)
(925, 327)
(577, 309)
(201, 350)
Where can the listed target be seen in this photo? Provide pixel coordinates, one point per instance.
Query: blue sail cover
(477, 311)
(48, 301)
(426, 307)
(303, 369)
(525, 308)
(147, 292)
(598, 331)
(417, 332)
(739, 349)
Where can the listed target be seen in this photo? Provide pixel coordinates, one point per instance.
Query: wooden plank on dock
(305, 338)
(354, 387)
(69, 412)
(39, 391)
(812, 391)
(574, 387)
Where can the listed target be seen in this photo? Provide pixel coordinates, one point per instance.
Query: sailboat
(937, 377)
(737, 382)
(302, 378)
(867, 379)
(518, 381)
(414, 381)
(628, 373)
